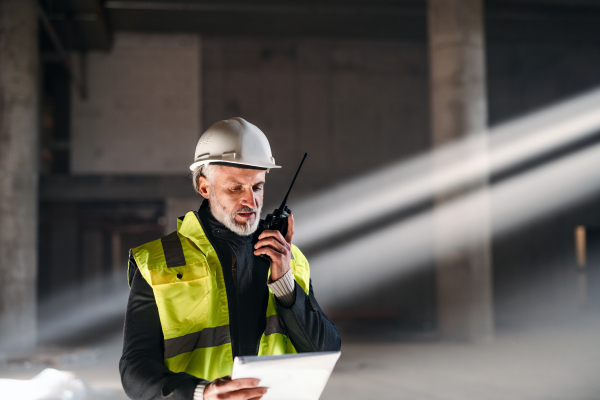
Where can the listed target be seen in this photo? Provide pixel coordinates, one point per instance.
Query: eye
(257, 188)
(235, 189)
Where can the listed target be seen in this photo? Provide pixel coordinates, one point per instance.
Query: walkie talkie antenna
(288, 192)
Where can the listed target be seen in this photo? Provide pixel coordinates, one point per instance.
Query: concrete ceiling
(88, 24)
(80, 24)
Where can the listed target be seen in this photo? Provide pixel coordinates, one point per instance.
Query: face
(235, 197)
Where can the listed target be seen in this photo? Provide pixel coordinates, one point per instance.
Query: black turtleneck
(245, 280)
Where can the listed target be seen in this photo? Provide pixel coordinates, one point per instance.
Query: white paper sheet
(289, 377)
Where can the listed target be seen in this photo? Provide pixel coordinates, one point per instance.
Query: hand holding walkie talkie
(278, 220)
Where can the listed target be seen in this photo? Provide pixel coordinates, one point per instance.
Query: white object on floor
(50, 384)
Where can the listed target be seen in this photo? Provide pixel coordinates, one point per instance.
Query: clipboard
(300, 376)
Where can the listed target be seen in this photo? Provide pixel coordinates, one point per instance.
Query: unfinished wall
(353, 106)
(142, 113)
(535, 273)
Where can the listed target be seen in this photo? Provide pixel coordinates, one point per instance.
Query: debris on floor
(50, 384)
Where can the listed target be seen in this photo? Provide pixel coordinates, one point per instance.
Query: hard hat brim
(233, 163)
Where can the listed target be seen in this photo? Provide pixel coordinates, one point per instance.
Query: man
(204, 295)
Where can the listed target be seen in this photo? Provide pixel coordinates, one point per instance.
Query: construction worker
(203, 295)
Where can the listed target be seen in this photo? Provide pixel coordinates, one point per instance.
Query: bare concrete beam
(359, 19)
(81, 24)
(19, 154)
(542, 21)
(506, 20)
(115, 188)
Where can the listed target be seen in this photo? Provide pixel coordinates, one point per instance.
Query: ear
(204, 187)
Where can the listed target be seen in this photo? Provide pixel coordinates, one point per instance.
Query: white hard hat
(234, 141)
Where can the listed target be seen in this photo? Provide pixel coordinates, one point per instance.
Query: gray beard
(228, 219)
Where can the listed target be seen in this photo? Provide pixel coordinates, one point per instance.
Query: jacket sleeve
(142, 369)
(308, 327)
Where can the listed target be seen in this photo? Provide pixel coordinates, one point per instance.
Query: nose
(248, 198)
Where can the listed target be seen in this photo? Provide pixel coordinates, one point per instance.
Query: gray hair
(205, 170)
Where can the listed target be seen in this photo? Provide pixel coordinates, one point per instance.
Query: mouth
(246, 215)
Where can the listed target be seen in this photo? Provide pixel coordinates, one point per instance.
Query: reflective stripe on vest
(187, 279)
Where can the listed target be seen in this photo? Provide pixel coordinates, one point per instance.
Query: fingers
(276, 257)
(244, 394)
(236, 389)
(274, 234)
(272, 242)
(229, 385)
(290, 231)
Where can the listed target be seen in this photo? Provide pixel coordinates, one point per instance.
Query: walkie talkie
(278, 221)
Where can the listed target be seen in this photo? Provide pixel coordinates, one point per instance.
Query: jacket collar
(190, 227)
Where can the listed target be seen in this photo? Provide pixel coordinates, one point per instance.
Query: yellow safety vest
(187, 279)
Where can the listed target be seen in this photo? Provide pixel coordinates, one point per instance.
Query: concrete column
(19, 61)
(459, 111)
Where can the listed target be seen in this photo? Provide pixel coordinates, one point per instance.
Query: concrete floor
(555, 361)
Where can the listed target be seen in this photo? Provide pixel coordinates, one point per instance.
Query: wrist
(284, 289)
(199, 391)
(277, 273)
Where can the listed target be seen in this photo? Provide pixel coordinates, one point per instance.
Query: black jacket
(143, 373)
